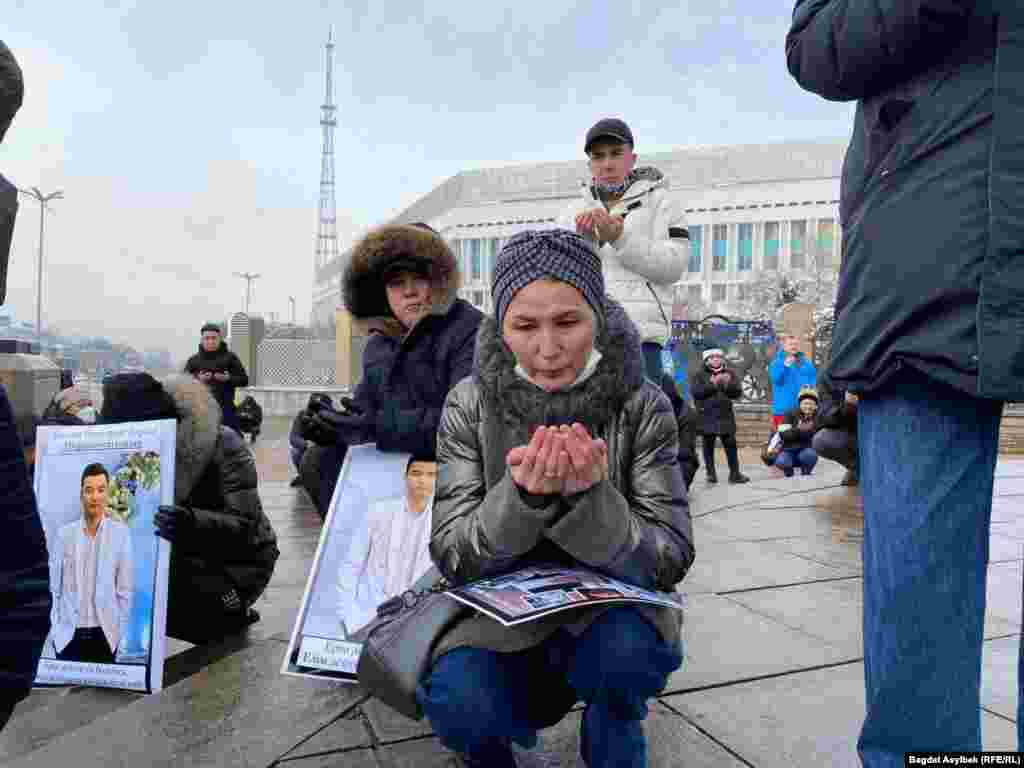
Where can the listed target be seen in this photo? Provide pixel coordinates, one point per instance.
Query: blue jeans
(478, 700)
(927, 462)
(805, 458)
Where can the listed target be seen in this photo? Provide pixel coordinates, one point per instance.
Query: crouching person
(224, 547)
(797, 433)
(602, 488)
(836, 438)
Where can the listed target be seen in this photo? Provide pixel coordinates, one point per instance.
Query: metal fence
(295, 362)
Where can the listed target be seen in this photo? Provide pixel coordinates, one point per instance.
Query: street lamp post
(249, 277)
(43, 201)
(291, 300)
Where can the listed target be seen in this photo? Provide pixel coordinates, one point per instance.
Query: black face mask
(8, 210)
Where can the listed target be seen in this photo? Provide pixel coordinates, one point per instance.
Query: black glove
(318, 402)
(315, 432)
(172, 522)
(347, 428)
(348, 405)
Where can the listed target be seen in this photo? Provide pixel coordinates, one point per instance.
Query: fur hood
(362, 287)
(619, 375)
(199, 421)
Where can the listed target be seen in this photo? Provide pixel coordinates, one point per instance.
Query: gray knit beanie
(550, 253)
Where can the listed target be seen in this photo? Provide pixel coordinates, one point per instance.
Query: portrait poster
(98, 488)
(374, 546)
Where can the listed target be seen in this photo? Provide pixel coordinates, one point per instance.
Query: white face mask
(87, 414)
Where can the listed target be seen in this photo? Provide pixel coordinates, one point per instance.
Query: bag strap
(410, 598)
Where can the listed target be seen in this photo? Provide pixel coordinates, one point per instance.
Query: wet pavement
(773, 676)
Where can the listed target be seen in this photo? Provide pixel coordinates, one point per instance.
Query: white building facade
(750, 210)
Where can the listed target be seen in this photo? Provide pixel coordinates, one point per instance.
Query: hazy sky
(186, 135)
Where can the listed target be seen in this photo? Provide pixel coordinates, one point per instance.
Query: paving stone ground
(773, 676)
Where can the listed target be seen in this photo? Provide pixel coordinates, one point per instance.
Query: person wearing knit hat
(402, 285)
(221, 370)
(797, 433)
(714, 387)
(638, 227)
(224, 548)
(556, 448)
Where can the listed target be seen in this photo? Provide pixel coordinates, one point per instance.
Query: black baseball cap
(609, 128)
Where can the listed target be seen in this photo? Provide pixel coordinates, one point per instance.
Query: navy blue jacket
(932, 203)
(24, 569)
(406, 381)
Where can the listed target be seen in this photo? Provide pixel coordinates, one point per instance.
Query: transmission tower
(327, 225)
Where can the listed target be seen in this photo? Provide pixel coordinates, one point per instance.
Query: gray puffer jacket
(634, 526)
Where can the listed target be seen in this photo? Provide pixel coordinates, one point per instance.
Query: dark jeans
(838, 445)
(731, 454)
(927, 463)
(477, 700)
(88, 644)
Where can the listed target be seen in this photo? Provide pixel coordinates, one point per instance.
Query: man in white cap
(640, 232)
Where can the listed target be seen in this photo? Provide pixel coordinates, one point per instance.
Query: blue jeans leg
(478, 700)
(785, 459)
(619, 663)
(927, 460)
(807, 459)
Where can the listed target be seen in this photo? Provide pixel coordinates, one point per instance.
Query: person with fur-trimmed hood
(638, 228)
(224, 547)
(403, 282)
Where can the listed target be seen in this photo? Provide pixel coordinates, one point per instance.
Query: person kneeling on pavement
(224, 547)
(836, 438)
(557, 449)
(403, 282)
(797, 433)
(250, 417)
(714, 387)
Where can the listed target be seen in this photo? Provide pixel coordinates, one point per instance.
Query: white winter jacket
(650, 254)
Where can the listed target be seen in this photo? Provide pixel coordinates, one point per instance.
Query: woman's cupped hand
(563, 460)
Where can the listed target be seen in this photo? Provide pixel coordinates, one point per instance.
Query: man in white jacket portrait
(388, 554)
(92, 598)
(639, 231)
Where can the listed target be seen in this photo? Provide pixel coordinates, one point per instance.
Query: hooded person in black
(219, 369)
(224, 546)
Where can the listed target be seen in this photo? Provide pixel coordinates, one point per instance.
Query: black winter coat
(216, 478)
(795, 438)
(25, 599)
(932, 204)
(714, 402)
(222, 361)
